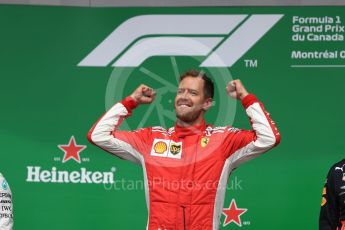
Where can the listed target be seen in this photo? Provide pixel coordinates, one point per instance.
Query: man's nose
(184, 94)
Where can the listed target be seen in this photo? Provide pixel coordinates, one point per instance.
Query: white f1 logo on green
(223, 39)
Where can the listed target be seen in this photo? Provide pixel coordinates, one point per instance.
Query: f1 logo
(223, 39)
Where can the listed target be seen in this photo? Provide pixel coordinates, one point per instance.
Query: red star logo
(72, 150)
(233, 214)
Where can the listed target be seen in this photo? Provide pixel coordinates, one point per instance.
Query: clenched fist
(236, 90)
(143, 95)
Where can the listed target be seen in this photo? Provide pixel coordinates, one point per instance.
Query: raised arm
(127, 145)
(243, 145)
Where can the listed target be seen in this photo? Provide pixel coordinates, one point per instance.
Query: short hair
(208, 83)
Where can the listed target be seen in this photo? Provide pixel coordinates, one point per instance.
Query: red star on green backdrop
(233, 214)
(72, 150)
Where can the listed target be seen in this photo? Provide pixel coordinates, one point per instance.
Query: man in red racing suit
(186, 167)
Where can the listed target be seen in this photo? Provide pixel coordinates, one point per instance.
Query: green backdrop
(46, 98)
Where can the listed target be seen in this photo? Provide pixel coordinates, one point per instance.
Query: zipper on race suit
(184, 217)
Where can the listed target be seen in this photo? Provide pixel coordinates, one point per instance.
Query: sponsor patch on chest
(166, 148)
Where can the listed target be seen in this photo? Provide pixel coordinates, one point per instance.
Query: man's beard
(188, 117)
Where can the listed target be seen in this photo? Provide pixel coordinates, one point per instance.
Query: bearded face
(190, 101)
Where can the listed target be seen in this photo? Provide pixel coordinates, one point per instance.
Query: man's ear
(207, 104)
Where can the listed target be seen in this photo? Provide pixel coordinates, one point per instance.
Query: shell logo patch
(160, 147)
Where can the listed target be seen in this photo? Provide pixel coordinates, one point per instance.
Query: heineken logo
(37, 174)
(77, 175)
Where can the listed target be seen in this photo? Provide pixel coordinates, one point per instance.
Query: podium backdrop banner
(61, 68)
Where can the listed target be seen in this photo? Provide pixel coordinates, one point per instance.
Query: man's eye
(193, 93)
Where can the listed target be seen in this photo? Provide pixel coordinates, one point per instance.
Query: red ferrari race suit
(185, 169)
